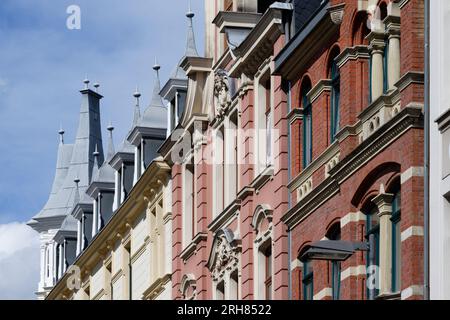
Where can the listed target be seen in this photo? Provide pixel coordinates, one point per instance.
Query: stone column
(61, 261)
(116, 191)
(122, 187)
(55, 262)
(83, 232)
(42, 281)
(78, 237)
(95, 218)
(137, 167)
(376, 47)
(99, 210)
(393, 29)
(142, 157)
(384, 203)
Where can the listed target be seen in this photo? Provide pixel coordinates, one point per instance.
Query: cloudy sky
(42, 65)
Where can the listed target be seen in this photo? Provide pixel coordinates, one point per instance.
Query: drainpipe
(289, 107)
(426, 246)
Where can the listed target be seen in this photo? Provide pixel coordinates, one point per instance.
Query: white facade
(439, 149)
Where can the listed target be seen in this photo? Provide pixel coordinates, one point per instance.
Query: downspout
(289, 107)
(426, 223)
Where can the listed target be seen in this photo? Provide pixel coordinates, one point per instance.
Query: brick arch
(393, 183)
(359, 29)
(366, 187)
(332, 53)
(306, 81)
(332, 224)
(303, 247)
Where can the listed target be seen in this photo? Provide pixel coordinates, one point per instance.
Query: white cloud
(19, 261)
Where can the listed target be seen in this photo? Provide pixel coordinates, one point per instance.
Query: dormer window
(177, 106)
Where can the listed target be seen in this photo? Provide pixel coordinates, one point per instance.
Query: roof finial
(96, 154)
(191, 48)
(76, 198)
(86, 82)
(96, 86)
(61, 134)
(137, 110)
(190, 14)
(110, 143)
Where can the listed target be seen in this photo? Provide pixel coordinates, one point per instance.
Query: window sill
(262, 178)
(389, 296)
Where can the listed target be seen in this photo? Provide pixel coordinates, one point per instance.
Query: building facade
(356, 121)
(300, 126)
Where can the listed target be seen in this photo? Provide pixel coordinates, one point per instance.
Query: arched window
(334, 233)
(307, 123)
(335, 98)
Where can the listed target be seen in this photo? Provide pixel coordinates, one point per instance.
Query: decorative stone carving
(222, 94)
(337, 13)
(225, 255)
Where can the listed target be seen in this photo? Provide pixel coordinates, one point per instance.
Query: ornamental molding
(409, 117)
(324, 85)
(222, 93)
(352, 53)
(337, 13)
(225, 254)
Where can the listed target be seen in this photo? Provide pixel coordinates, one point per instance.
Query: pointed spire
(191, 48)
(96, 154)
(61, 134)
(76, 198)
(156, 97)
(96, 86)
(137, 110)
(111, 151)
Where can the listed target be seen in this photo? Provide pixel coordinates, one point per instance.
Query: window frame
(308, 280)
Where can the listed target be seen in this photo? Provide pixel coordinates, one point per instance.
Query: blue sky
(42, 66)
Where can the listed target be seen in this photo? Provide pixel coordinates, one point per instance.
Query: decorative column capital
(392, 24)
(376, 41)
(384, 203)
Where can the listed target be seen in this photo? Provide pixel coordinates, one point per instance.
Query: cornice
(224, 217)
(321, 87)
(320, 161)
(406, 119)
(192, 247)
(351, 54)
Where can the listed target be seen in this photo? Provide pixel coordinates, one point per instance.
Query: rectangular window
(307, 281)
(335, 101)
(396, 243)
(307, 136)
(189, 204)
(220, 177)
(269, 126)
(268, 273)
(385, 68)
